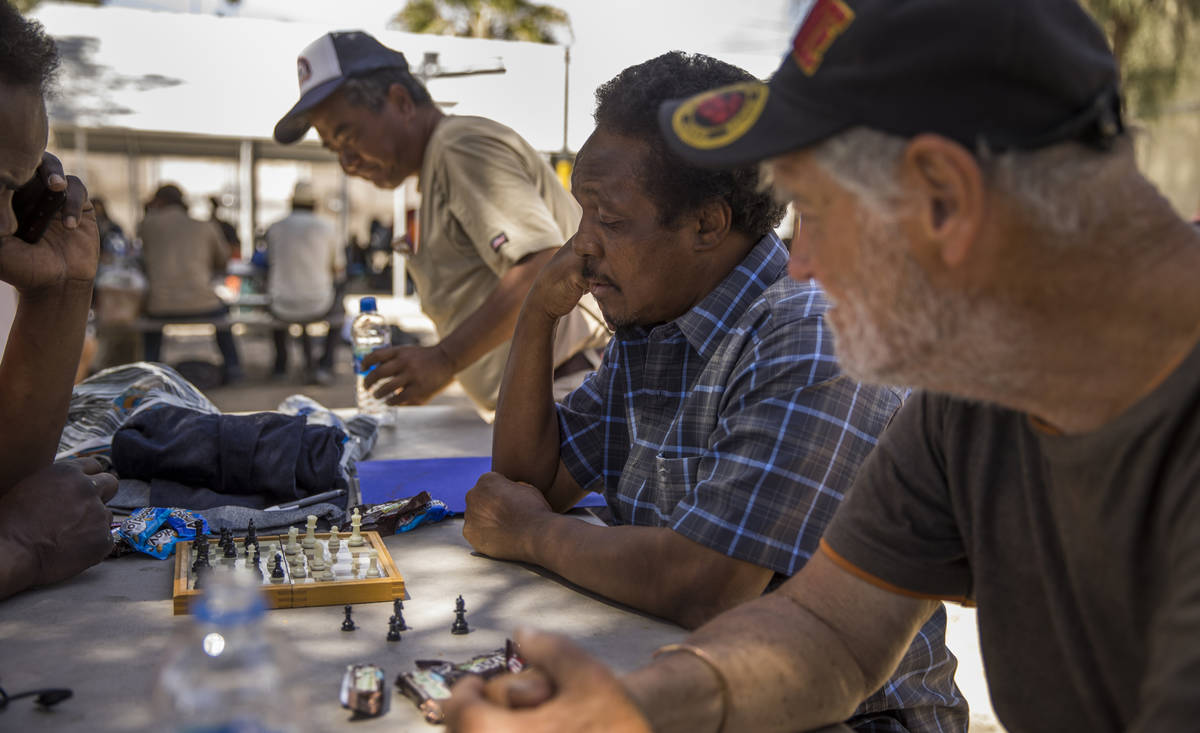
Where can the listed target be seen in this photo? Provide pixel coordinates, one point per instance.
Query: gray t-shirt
(1082, 552)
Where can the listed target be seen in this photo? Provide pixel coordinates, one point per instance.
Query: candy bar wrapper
(402, 515)
(155, 530)
(183, 521)
(429, 684)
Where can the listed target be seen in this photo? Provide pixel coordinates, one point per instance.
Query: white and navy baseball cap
(324, 65)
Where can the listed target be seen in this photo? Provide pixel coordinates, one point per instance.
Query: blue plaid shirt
(734, 426)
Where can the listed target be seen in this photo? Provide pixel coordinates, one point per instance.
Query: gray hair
(1061, 189)
(371, 89)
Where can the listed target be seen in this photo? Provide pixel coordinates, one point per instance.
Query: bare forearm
(36, 376)
(492, 323)
(649, 568)
(525, 441)
(797, 659)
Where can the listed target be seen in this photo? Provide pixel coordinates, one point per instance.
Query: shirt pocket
(674, 479)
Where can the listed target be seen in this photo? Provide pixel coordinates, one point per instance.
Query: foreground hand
(56, 520)
(408, 375)
(502, 517)
(559, 285)
(70, 249)
(564, 691)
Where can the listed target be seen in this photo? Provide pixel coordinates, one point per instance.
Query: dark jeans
(280, 336)
(152, 340)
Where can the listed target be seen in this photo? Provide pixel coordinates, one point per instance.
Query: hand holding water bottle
(408, 375)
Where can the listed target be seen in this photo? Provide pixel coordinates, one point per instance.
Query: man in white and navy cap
(492, 213)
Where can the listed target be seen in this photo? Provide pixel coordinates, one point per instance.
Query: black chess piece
(393, 633)
(251, 535)
(397, 609)
(460, 620)
(277, 571)
(230, 551)
(348, 623)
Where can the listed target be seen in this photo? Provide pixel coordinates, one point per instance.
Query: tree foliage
(510, 20)
(1150, 39)
(25, 6)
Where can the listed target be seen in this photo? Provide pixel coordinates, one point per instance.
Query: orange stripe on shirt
(863, 575)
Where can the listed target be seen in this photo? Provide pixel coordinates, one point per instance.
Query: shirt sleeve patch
(498, 241)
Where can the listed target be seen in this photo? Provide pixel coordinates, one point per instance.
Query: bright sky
(609, 34)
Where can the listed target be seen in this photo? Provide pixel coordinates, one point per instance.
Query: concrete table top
(105, 632)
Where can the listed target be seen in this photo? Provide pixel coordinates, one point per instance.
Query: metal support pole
(247, 196)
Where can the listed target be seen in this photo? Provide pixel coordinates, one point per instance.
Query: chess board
(300, 585)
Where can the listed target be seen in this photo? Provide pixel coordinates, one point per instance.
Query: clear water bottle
(225, 673)
(368, 332)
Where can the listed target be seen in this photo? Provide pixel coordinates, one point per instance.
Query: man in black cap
(492, 213)
(972, 206)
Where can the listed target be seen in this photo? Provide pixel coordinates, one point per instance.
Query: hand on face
(58, 516)
(408, 375)
(563, 690)
(70, 249)
(560, 284)
(502, 515)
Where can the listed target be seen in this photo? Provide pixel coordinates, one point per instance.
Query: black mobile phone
(36, 206)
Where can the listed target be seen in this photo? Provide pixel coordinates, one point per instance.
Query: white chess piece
(373, 569)
(318, 560)
(292, 547)
(310, 535)
(334, 541)
(356, 538)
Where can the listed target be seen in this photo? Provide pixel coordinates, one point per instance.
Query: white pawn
(334, 541)
(373, 569)
(318, 560)
(310, 535)
(356, 538)
(292, 547)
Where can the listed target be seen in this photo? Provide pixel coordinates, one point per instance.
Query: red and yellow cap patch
(719, 117)
(826, 20)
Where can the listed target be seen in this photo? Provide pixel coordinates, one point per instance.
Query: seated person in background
(53, 523)
(718, 426)
(973, 206)
(304, 263)
(182, 256)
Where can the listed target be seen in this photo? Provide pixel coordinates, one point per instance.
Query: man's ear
(946, 184)
(398, 95)
(713, 221)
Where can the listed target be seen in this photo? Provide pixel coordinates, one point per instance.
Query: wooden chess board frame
(299, 593)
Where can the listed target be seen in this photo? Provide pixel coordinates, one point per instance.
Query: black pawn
(277, 571)
(230, 551)
(348, 624)
(393, 633)
(460, 620)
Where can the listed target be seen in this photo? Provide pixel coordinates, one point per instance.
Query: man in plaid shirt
(718, 427)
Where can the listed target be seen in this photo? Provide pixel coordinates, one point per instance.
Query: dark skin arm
(412, 375)
(525, 442)
(53, 279)
(654, 569)
(54, 524)
(797, 659)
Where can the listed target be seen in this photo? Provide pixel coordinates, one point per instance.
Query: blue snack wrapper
(155, 530)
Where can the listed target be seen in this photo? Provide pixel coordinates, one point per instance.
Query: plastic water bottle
(225, 673)
(368, 332)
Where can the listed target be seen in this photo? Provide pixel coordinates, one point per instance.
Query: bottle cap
(367, 304)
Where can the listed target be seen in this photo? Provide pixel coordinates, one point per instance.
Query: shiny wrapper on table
(429, 684)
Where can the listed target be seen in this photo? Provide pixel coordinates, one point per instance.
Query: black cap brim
(741, 124)
(295, 123)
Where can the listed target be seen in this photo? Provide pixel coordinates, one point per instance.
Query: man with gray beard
(972, 207)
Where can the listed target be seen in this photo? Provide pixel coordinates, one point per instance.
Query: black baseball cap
(1008, 74)
(324, 65)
